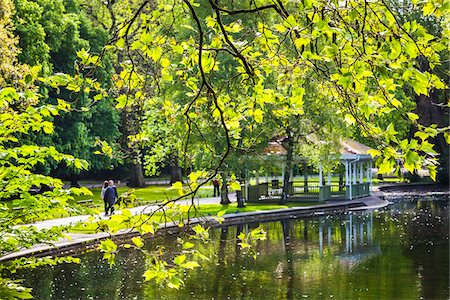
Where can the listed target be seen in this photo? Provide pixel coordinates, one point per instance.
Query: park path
(144, 209)
(82, 238)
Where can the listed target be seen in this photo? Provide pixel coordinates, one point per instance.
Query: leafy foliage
(223, 75)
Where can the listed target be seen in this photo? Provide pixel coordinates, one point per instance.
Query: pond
(401, 252)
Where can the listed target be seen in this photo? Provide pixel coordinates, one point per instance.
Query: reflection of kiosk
(356, 179)
(358, 239)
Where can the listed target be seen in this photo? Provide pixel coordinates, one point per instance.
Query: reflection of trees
(220, 265)
(428, 247)
(90, 279)
(311, 255)
(289, 258)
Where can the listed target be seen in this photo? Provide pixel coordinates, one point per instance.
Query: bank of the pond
(76, 243)
(417, 188)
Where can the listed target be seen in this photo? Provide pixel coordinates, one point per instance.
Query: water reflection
(399, 253)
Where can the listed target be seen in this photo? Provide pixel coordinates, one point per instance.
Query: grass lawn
(149, 194)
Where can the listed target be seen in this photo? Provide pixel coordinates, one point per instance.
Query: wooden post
(350, 181)
(368, 172)
(305, 176)
(320, 175)
(247, 181)
(370, 177)
(360, 172)
(346, 172)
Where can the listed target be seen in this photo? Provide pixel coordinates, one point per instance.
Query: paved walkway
(144, 209)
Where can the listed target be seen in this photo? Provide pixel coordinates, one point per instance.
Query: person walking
(102, 195)
(111, 197)
(216, 185)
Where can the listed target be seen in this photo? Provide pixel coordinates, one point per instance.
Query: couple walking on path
(109, 196)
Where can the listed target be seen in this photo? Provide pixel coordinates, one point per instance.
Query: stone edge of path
(78, 243)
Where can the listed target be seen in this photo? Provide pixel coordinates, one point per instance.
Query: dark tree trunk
(240, 201)
(175, 171)
(136, 175)
(224, 190)
(289, 145)
(74, 181)
(341, 182)
(430, 113)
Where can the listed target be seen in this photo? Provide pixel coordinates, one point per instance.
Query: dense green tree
(19, 115)
(51, 34)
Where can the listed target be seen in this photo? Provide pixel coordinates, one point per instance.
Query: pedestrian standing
(102, 194)
(111, 197)
(216, 187)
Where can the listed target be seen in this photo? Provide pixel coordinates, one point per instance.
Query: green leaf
(447, 137)
(109, 248)
(126, 213)
(188, 245)
(235, 185)
(258, 115)
(280, 28)
(191, 265)
(374, 153)
(413, 116)
(149, 275)
(179, 187)
(411, 157)
(120, 43)
(165, 62)
(432, 171)
(428, 148)
(179, 259)
(396, 49)
(221, 213)
(350, 119)
(121, 101)
(147, 228)
(138, 242)
(98, 97)
(290, 21)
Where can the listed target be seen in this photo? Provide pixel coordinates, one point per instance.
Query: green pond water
(401, 252)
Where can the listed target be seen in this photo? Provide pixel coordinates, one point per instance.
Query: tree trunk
(287, 170)
(224, 190)
(430, 113)
(175, 171)
(239, 199)
(305, 176)
(136, 175)
(74, 181)
(341, 182)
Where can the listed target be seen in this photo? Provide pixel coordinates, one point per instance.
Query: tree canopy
(227, 67)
